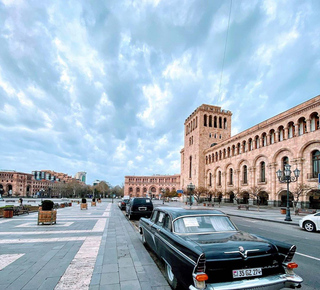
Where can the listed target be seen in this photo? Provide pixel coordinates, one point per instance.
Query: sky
(105, 86)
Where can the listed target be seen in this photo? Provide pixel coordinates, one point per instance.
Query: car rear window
(142, 201)
(203, 224)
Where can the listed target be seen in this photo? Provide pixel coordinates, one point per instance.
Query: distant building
(81, 176)
(39, 183)
(150, 186)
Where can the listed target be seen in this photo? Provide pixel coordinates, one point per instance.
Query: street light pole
(163, 191)
(287, 178)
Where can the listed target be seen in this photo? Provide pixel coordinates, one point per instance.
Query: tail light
(199, 275)
(292, 266)
(288, 258)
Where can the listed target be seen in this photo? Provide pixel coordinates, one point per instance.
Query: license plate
(247, 273)
(142, 208)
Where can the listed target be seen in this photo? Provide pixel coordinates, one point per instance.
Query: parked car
(311, 222)
(123, 203)
(203, 249)
(174, 198)
(139, 207)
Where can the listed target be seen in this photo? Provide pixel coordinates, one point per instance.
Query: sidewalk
(87, 249)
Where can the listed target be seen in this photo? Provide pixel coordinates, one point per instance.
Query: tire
(309, 226)
(172, 280)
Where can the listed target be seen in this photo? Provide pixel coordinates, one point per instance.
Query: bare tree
(298, 191)
(255, 193)
(198, 192)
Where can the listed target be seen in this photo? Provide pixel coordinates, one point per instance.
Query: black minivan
(138, 207)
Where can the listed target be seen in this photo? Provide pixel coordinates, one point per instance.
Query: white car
(311, 222)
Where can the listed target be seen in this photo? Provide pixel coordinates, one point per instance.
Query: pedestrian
(21, 200)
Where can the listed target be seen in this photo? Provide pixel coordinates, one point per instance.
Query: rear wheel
(172, 280)
(309, 226)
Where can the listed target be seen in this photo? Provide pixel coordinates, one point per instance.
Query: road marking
(78, 274)
(48, 240)
(32, 225)
(314, 258)
(6, 260)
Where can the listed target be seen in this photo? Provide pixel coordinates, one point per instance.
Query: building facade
(151, 186)
(82, 176)
(234, 167)
(39, 183)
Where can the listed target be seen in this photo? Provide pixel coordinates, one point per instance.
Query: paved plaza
(87, 249)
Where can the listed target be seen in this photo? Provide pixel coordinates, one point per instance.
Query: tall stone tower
(205, 127)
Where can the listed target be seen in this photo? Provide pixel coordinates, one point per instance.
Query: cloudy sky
(105, 86)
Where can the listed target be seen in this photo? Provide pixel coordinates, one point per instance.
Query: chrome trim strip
(271, 282)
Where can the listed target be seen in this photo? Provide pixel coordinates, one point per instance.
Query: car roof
(176, 212)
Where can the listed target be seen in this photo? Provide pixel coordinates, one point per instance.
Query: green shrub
(47, 205)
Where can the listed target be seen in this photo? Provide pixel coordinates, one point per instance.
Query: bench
(240, 206)
(32, 201)
(304, 210)
(17, 210)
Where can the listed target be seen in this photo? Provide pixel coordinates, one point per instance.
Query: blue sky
(105, 86)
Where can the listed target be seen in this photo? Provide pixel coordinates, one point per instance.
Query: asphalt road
(308, 246)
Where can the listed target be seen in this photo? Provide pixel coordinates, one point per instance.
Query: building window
(205, 120)
(219, 178)
(190, 167)
(262, 171)
(210, 121)
(231, 176)
(315, 163)
(245, 174)
(210, 179)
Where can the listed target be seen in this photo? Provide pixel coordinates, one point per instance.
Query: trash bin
(283, 210)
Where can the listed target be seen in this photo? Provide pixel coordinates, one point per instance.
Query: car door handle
(159, 230)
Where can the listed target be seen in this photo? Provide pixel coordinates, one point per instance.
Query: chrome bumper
(266, 283)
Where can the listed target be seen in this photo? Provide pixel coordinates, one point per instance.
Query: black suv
(138, 207)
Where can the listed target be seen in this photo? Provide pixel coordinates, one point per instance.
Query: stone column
(308, 129)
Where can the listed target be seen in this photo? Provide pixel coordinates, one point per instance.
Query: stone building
(150, 186)
(39, 183)
(235, 167)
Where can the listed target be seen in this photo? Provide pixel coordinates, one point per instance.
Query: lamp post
(191, 188)
(287, 178)
(163, 192)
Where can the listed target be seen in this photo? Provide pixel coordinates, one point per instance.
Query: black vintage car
(203, 249)
(139, 207)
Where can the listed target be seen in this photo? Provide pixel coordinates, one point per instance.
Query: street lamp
(287, 178)
(191, 188)
(163, 192)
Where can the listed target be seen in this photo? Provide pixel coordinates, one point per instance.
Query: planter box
(283, 210)
(8, 213)
(83, 206)
(93, 203)
(47, 217)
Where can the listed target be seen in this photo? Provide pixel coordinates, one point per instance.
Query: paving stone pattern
(87, 249)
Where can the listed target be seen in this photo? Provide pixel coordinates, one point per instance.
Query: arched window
(290, 130)
(220, 122)
(314, 122)
(272, 135)
(210, 121)
(190, 166)
(215, 121)
(285, 161)
(281, 134)
(315, 163)
(205, 120)
(231, 176)
(210, 179)
(225, 123)
(262, 171)
(257, 143)
(219, 178)
(245, 174)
